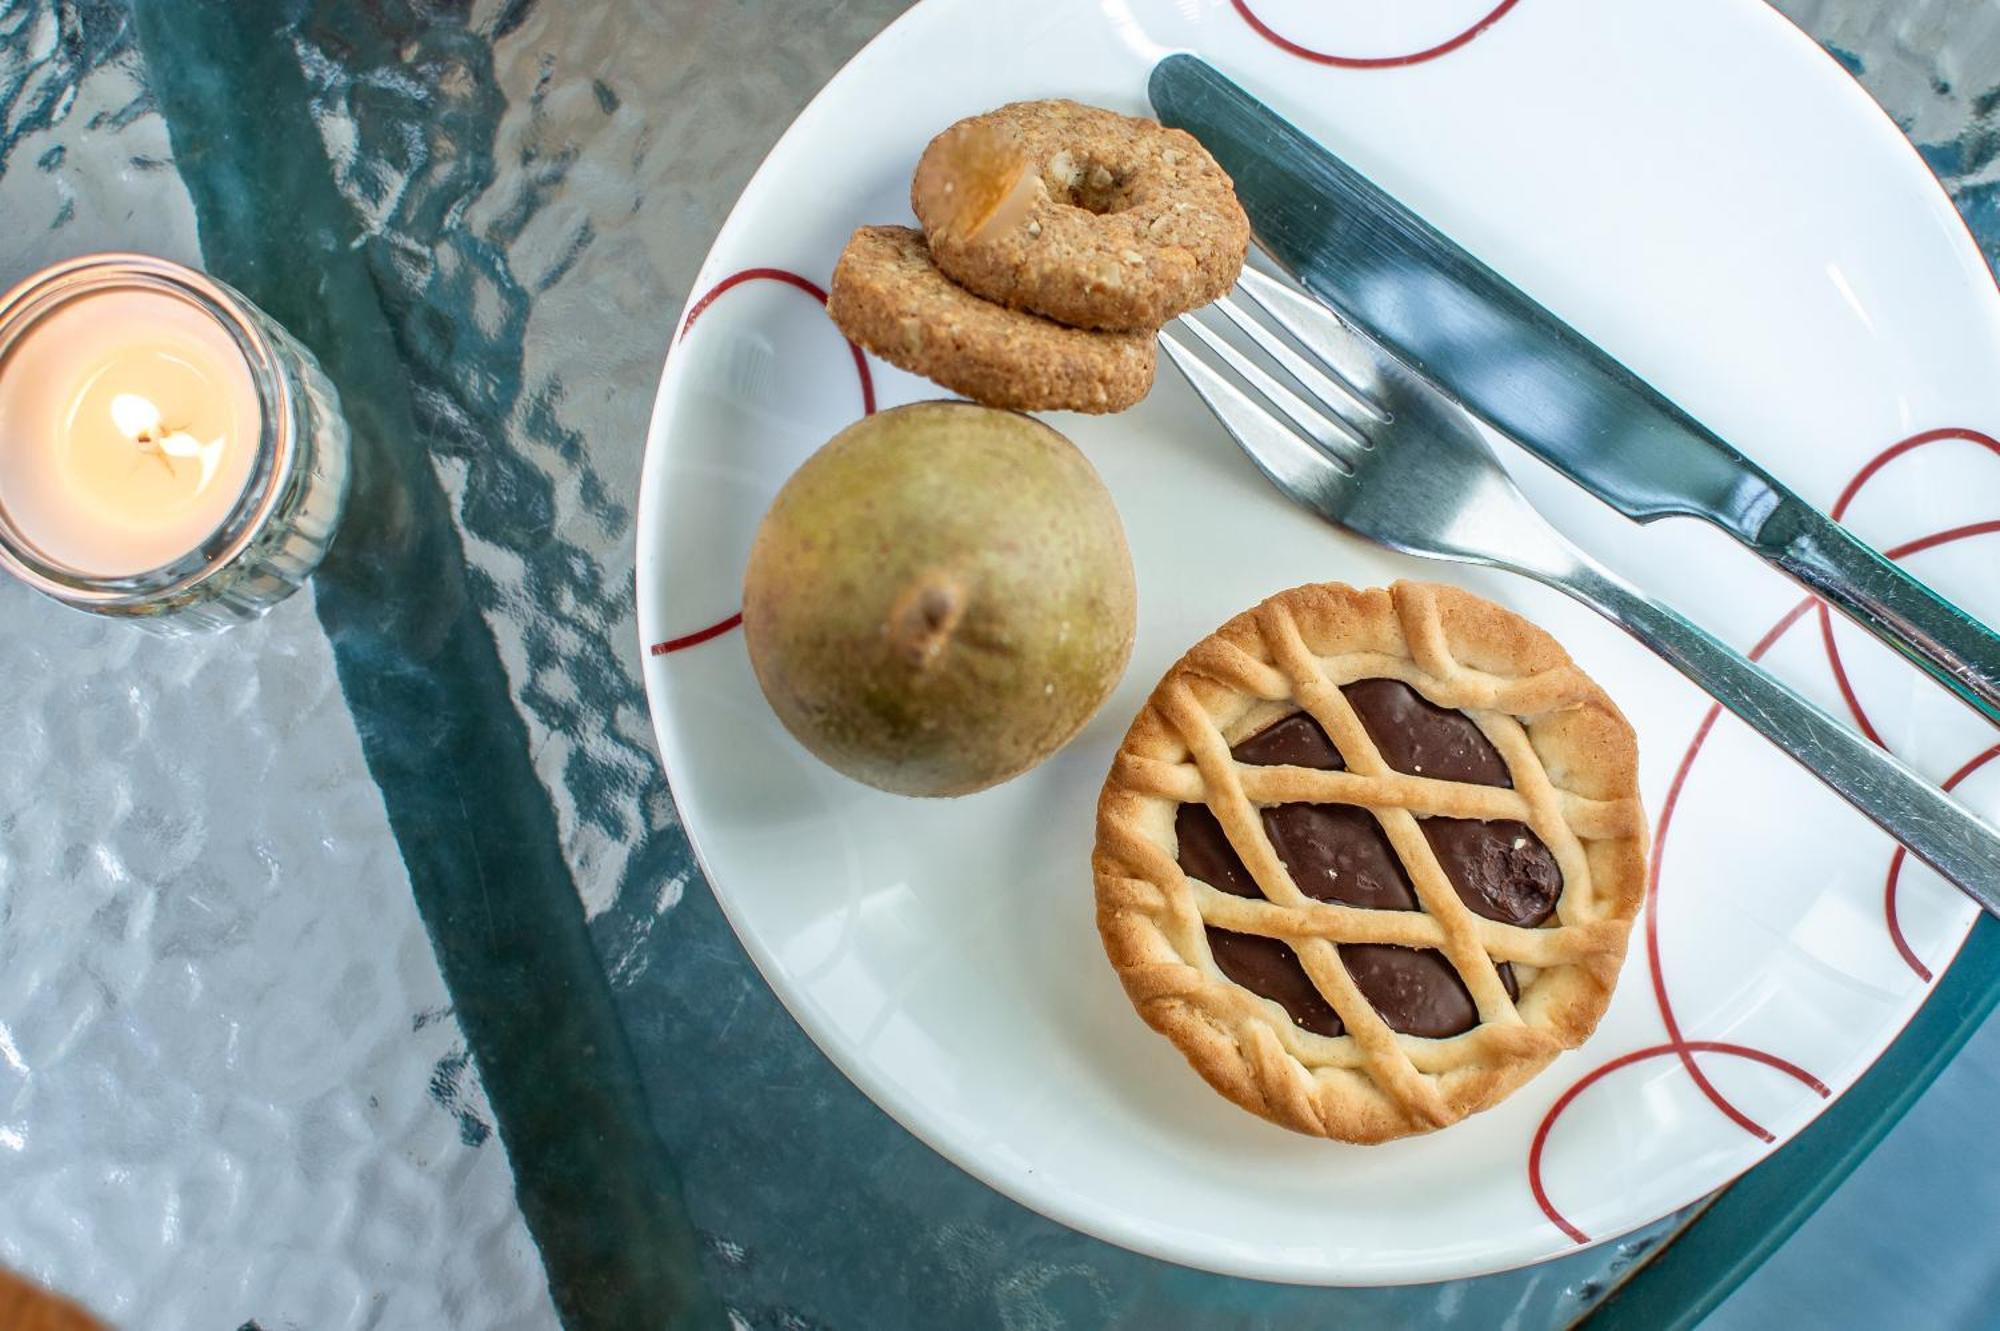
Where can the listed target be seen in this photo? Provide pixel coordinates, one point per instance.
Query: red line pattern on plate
(1446, 47)
(1839, 511)
(1682, 1047)
(698, 637)
(1896, 868)
(695, 311)
(1677, 1044)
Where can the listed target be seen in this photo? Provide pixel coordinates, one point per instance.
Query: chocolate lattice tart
(1369, 858)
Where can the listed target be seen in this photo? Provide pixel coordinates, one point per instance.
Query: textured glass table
(353, 969)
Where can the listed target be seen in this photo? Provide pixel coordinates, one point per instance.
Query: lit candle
(129, 426)
(167, 452)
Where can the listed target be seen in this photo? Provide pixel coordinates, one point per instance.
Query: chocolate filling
(1338, 852)
(1206, 853)
(1296, 741)
(1335, 852)
(1421, 739)
(1501, 869)
(1416, 990)
(1271, 969)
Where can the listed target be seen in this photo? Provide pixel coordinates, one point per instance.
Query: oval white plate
(1697, 187)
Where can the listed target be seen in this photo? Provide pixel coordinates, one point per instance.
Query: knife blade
(1514, 364)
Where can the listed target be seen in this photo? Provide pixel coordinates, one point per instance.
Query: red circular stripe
(1684, 1048)
(1667, 809)
(1945, 537)
(1446, 47)
(695, 311)
(1677, 1044)
(699, 636)
(1840, 506)
(1910, 445)
(791, 279)
(1840, 680)
(1896, 869)
(1833, 656)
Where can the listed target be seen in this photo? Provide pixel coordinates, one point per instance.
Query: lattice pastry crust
(1573, 761)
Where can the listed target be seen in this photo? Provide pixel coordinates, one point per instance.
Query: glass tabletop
(354, 971)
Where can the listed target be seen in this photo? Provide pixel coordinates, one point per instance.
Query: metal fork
(1349, 431)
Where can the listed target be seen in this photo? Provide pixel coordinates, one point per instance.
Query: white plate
(1697, 187)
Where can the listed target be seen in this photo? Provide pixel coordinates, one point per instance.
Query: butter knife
(1485, 343)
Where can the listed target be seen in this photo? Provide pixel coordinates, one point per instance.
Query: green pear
(940, 598)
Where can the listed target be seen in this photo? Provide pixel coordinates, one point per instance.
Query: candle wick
(141, 421)
(154, 446)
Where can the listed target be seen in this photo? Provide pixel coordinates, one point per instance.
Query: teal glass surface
(380, 989)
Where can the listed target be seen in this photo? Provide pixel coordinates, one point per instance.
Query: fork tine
(1337, 398)
(1329, 431)
(1320, 331)
(1294, 464)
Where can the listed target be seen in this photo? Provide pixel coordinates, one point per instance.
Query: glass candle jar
(168, 453)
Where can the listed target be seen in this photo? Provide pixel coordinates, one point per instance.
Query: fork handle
(1957, 650)
(1935, 827)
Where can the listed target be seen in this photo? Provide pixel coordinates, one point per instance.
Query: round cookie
(1125, 224)
(888, 297)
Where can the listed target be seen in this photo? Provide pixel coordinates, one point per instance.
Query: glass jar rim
(40, 295)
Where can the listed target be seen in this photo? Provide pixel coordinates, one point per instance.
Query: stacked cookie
(1057, 238)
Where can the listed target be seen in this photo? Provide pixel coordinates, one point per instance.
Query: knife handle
(1954, 648)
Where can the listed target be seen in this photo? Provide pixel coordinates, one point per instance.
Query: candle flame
(139, 419)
